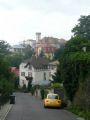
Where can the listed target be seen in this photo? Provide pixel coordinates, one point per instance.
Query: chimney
(38, 36)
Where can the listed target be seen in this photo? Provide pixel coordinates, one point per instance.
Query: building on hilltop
(48, 45)
(17, 48)
(29, 42)
(21, 47)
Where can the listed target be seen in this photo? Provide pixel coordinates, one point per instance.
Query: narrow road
(28, 107)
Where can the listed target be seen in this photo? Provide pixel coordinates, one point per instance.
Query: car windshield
(52, 96)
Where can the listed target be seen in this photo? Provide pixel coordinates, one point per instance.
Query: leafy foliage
(82, 29)
(76, 44)
(74, 66)
(6, 84)
(15, 59)
(57, 76)
(78, 111)
(57, 85)
(6, 87)
(4, 47)
(28, 52)
(58, 53)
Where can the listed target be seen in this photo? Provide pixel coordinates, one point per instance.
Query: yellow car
(52, 100)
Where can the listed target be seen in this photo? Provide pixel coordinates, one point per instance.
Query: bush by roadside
(78, 111)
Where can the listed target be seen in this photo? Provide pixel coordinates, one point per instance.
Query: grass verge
(78, 111)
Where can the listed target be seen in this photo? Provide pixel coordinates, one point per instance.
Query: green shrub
(57, 85)
(42, 91)
(33, 90)
(45, 94)
(78, 111)
(6, 87)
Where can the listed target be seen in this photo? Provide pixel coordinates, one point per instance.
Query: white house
(30, 42)
(37, 68)
(17, 48)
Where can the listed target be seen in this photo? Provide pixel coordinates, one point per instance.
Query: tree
(82, 29)
(6, 83)
(76, 44)
(4, 47)
(58, 53)
(74, 64)
(15, 59)
(28, 52)
(57, 76)
(6, 87)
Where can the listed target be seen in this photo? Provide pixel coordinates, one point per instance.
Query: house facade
(37, 68)
(30, 42)
(17, 49)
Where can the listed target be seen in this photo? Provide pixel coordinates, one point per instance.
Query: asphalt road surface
(29, 107)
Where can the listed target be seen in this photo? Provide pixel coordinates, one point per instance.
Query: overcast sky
(21, 19)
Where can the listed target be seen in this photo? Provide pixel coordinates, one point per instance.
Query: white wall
(38, 75)
(22, 79)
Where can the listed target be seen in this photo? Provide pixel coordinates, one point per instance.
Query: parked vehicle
(52, 100)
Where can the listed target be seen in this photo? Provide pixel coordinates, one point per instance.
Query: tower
(38, 36)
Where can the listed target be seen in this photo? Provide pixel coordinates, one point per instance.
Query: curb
(5, 115)
(79, 118)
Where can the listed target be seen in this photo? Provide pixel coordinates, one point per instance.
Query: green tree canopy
(14, 59)
(82, 29)
(75, 63)
(76, 44)
(6, 84)
(57, 76)
(4, 47)
(58, 53)
(28, 52)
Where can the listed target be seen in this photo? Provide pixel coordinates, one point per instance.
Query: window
(22, 73)
(29, 74)
(53, 97)
(44, 75)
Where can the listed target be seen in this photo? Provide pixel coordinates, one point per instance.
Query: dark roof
(37, 62)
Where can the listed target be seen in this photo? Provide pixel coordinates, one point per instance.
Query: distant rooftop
(18, 46)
